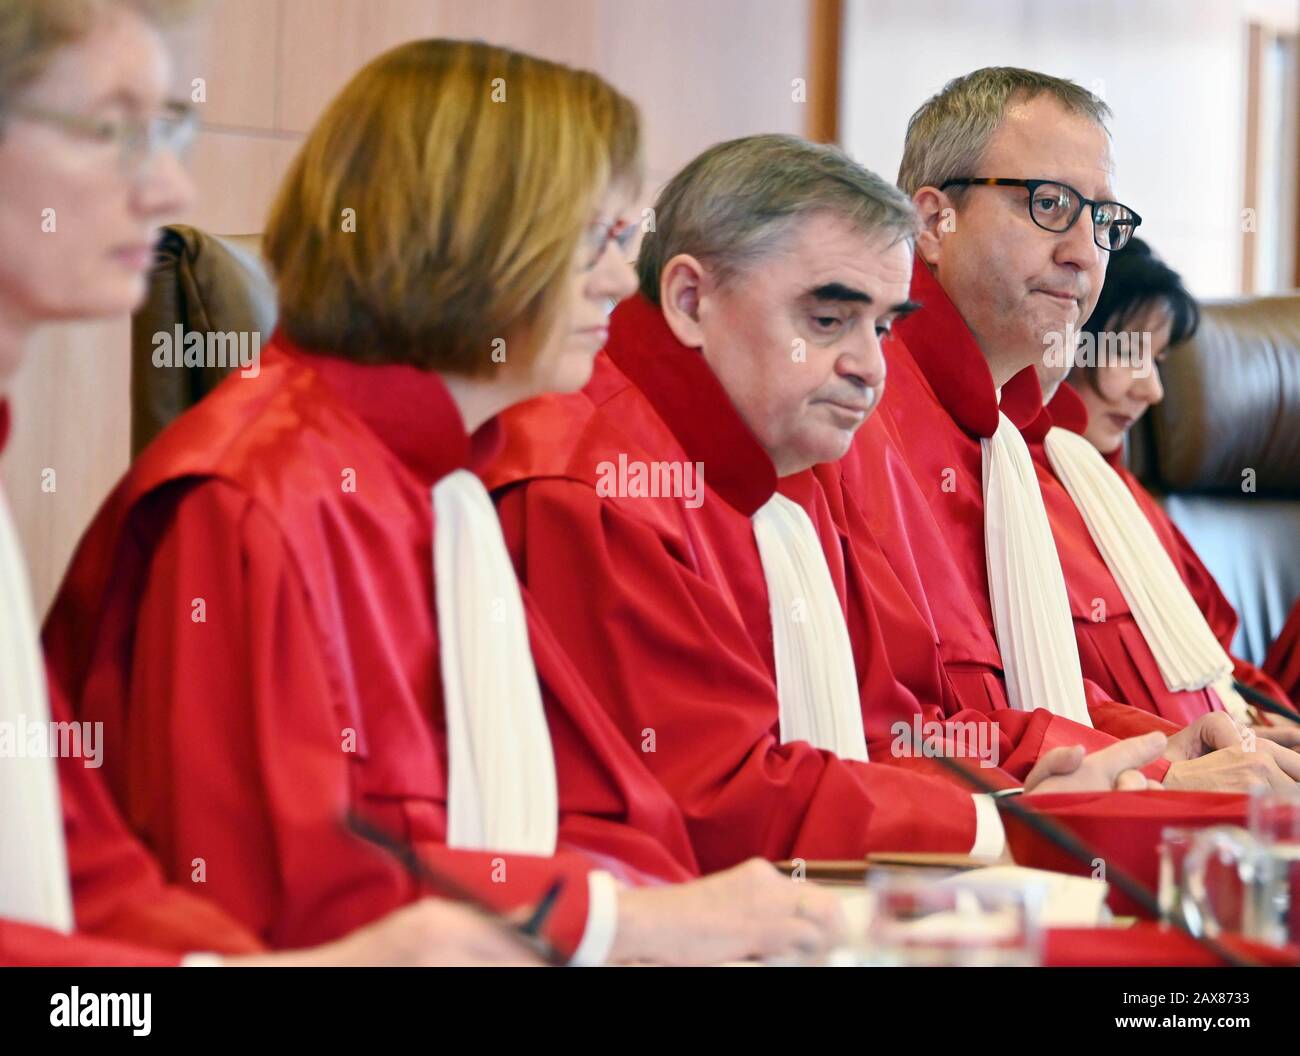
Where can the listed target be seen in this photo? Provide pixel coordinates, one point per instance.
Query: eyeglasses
(600, 234)
(136, 139)
(1055, 207)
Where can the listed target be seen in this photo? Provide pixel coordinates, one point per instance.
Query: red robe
(922, 451)
(252, 616)
(662, 600)
(1283, 660)
(1068, 412)
(29, 946)
(125, 913)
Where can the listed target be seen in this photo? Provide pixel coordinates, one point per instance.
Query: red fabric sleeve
(668, 653)
(1283, 660)
(28, 946)
(239, 756)
(117, 889)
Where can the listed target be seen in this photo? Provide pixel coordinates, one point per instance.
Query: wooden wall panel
(71, 401)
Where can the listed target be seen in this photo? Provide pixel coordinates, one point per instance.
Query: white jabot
(816, 683)
(33, 859)
(502, 792)
(1031, 610)
(1189, 655)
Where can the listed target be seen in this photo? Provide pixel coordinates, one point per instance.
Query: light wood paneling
(237, 176)
(71, 401)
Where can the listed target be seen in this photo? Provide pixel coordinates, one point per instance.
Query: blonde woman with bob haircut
(446, 245)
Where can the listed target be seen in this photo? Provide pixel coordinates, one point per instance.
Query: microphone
(527, 934)
(1264, 702)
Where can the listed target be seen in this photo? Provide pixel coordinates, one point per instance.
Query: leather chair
(1223, 452)
(205, 284)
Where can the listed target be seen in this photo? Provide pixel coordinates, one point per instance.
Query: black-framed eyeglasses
(1055, 206)
(600, 234)
(136, 138)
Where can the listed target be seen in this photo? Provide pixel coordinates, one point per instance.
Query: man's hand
(749, 911)
(430, 933)
(1117, 766)
(1214, 754)
(1287, 736)
(1209, 733)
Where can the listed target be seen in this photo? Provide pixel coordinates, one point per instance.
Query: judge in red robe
(1067, 411)
(297, 606)
(75, 886)
(998, 273)
(1144, 304)
(307, 682)
(112, 891)
(657, 485)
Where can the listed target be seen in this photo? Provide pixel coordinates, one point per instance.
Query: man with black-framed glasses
(1012, 176)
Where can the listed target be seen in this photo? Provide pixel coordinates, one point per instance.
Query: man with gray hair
(1011, 174)
(728, 629)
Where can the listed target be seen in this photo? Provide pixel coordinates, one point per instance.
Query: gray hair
(947, 136)
(738, 201)
(33, 31)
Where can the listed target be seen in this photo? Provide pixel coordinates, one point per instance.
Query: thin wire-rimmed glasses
(1056, 206)
(136, 138)
(600, 234)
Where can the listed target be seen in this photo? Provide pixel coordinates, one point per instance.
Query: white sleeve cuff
(202, 960)
(602, 921)
(990, 836)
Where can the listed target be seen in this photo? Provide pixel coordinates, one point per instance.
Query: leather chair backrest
(1224, 449)
(206, 285)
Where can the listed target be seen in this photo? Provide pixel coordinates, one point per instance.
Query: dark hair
(1136, 281)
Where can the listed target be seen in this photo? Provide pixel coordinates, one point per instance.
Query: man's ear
(679, 298)
(938, 219)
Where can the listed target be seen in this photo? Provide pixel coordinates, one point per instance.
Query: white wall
(1173, 71)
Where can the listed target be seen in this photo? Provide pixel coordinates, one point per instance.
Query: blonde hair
(438, 203)
(33, 31)
(947, 136)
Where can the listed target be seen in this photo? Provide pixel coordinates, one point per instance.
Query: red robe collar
(1068, 411)
(409, 409)
(687, 395)
(1065, 411)
(946, 351)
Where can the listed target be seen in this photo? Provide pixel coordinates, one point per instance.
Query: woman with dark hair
(1142, 296)
(1143, 312)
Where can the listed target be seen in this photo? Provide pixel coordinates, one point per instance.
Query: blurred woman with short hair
(90, 151)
